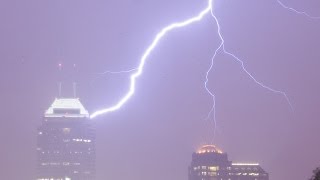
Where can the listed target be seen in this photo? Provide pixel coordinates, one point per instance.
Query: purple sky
(154, 134)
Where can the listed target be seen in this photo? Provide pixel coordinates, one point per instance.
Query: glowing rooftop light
(209, 149)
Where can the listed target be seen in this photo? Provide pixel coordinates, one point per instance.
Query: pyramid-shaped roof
(66, 107)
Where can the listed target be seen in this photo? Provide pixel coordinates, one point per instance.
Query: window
(213, 168)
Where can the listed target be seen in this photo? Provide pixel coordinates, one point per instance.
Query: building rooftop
(66, 107)
(209, 149)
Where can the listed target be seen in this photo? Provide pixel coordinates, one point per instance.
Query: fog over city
(153, 90)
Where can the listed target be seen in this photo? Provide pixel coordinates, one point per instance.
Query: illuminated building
(66, 143)
(210, 163)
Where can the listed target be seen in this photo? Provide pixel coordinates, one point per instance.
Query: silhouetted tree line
(316, 174)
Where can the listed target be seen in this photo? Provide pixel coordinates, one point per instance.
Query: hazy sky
(155, 133)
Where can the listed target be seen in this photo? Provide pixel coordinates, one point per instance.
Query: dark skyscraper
(210, 163)
(66, 142)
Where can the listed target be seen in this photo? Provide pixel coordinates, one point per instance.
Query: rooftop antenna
(60, 83)
(60, 86)
(74, 84)
(74, 89)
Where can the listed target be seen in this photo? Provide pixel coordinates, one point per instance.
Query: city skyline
(66, 149)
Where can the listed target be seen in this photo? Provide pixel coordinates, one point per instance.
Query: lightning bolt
(296, 11)
(145, 56)
(99, 75)
(221, 48)
(117, 72)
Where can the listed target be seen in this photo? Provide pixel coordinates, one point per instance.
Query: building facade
(66, 143)
(210, 163)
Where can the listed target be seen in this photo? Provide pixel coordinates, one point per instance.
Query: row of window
(216, 168)
(230, 174)
(210, 168)
(58, 152)
(58, 164)
(208, 174)
(54, 178)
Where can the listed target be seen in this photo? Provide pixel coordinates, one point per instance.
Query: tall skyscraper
(210, 163)
(66, 142)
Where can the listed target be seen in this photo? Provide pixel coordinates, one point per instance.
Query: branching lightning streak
(139, 71)
(98, 75)
(296, 11)
(222, 47)
(118, 72)
(213, 107)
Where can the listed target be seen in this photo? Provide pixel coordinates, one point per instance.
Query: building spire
(60, 83)
(60, 87)
(74, 89)
(74, 84)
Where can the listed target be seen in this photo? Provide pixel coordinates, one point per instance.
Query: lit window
(212, 174)
(213, 168)
(66, 130)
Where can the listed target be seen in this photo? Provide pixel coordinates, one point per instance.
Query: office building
(210, 163)
(66, 142)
